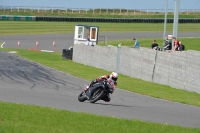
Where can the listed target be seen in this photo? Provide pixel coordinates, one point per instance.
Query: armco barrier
(111, 20)
(118, 20)
(18, 18)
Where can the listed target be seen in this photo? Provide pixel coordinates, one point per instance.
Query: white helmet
(113, 76)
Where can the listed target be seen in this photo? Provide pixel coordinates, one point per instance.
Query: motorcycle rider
(111, 78)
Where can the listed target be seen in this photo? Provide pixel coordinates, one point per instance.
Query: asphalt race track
(23, 81)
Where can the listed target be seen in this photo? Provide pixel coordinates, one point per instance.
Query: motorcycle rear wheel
(97, 94)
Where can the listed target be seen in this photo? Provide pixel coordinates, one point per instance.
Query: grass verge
(19, 118)
(55, 60)
(28, 27)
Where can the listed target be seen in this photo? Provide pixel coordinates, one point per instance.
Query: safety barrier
(118, 20)
(18, 18)
(111, 20)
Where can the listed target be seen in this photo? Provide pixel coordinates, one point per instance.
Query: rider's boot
(106, 98)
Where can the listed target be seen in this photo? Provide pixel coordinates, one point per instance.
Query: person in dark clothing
(181, 46)
(168, 44)
(154, 45)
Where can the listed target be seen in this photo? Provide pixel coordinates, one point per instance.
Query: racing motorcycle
(97, 91)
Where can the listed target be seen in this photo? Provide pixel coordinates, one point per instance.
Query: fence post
(107, 11)
(120, 11)
(113, 11)
(106, 40)
(118, 59)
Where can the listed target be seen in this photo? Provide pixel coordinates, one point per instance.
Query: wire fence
(102, 11)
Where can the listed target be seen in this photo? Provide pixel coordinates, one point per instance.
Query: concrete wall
(99, 57)
(176, 69)
(138, 63)
(179, 70)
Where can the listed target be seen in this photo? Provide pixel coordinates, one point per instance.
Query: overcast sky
(128, 4)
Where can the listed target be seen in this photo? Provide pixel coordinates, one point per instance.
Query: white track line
(2, 44)
(188, 37)
(46, 51)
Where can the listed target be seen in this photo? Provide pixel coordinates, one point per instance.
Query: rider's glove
(99, 79)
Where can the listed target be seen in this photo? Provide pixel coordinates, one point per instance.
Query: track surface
(27, 82)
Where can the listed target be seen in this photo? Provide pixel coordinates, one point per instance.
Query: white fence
(42, 9)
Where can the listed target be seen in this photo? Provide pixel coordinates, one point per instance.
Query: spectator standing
(176, 44)
(181, 46)
(88, 39)
(136, 43)
(154, 45)
(168, 44)
(120, 44)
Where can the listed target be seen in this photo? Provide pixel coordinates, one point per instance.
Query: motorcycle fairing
(92, 89)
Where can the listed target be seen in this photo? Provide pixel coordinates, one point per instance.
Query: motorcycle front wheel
(82, 97)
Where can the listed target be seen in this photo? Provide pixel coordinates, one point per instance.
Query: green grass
(97, 13)
(19, 118)
(124, 82)
(190, 43)
(24, 27)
